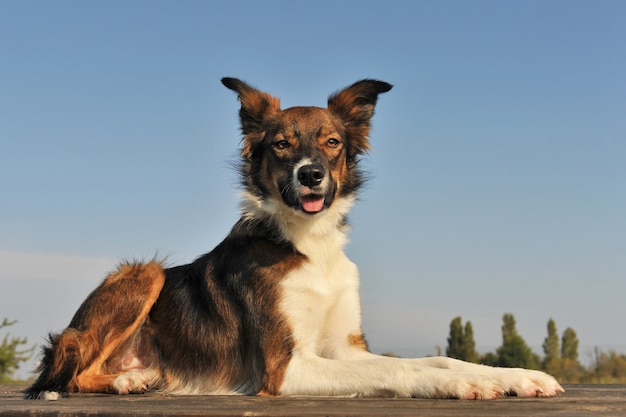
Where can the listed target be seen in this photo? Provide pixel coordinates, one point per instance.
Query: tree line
(560, 354)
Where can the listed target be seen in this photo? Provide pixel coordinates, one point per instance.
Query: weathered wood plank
(578, 400)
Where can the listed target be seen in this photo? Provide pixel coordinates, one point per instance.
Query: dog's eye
(281, 144)
(333, 143)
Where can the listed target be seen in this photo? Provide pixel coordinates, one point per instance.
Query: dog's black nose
(311, 175)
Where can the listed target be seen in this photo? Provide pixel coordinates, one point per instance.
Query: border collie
(274, 309)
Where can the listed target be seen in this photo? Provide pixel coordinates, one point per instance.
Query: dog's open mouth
(312, 203)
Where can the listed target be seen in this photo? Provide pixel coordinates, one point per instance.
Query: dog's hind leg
(102, 341)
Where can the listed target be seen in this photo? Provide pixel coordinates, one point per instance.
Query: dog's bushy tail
(60, 361)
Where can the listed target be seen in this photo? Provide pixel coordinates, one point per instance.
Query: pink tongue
(312, 205)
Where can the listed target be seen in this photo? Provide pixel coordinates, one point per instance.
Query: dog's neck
(316, 236)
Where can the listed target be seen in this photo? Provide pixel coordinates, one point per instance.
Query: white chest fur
(321, 304)
(320, 299)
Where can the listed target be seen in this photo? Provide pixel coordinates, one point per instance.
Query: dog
(274, 309)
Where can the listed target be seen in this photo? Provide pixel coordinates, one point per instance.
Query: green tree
(10, 354)
(469, 345)
(569, 345)
(610, 368)
(455, 339)
(551, 347)
(514, 352)
(461, 343)
(490, 359)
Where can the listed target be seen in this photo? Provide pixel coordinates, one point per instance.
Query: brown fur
(358, 340)
(93, 340)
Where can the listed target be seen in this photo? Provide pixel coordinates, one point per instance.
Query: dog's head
(304, 158)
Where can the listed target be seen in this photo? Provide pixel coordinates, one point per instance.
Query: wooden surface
(578, 400)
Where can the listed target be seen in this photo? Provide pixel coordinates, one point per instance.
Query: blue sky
(497, 172)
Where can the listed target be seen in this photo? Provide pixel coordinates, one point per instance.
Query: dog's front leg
(313, 375)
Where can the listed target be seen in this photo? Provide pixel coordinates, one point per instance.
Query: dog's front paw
(475, 388)
(527, 383)
(461, 385)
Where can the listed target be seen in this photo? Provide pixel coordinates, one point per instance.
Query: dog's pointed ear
(355, 106)
(255, 107)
